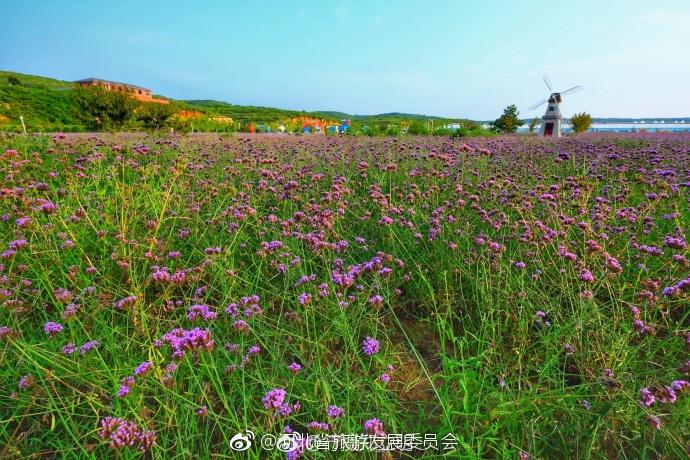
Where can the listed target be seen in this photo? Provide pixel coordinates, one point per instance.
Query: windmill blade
(572, 90)
(547, 80)
(537, 104)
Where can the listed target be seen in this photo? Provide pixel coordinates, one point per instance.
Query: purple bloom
(647, 397)
(304, 298)
(680, 385)
(25, 382)
(254, 349)
(6, 331)
(318, 426)
(201, 311)
(295, 368)
(88, 346)
(233, 309)
(23, 222)
(122, 433)
(274, 398)
(182, 341)
(126, 385)
(69, 311)
(48, 207)
(143, 368)
(376, 301)
(335, 411)
(374, 426)
(586, 276)
(298, 451)
(241, 325)
(52, 329)
(272, 246)
(125, 302)
(69, 348)
(232, 347)
(681, 286)
(17, 244)
(675, 242)
(370, 346)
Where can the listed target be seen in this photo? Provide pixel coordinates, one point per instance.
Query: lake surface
(624, 128)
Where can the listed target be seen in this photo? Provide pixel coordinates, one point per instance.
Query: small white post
(21, 118)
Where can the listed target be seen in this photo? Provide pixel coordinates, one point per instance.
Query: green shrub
(101, 109)
(155, 116)
(509, 121)
(581, 122)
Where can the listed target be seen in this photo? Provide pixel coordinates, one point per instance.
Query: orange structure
(137, 92)
(186, 114)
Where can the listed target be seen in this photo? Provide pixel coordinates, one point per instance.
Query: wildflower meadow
(512, 297)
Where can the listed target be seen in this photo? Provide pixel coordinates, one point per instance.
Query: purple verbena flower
(334, 411)
(143, 368)
(52, 329)
(374, 426)
(370, 346)
(294, 368)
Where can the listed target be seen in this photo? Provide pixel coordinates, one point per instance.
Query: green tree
(418, 128)
(374, 130)
(154, 115)
(581, 122)
(509, 121)
(393, 130)
(12, 80)
(102, 109)
(533, 124)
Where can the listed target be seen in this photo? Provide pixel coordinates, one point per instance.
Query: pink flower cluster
(182, 341)
(274, 401)
(122, 433)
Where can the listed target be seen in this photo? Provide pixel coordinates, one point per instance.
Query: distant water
(625, 128)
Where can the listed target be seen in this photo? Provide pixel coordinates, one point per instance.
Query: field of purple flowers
(160, 295)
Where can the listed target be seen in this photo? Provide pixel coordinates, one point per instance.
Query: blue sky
(450, 58)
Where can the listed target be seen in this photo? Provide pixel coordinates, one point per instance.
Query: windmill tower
(552, 120)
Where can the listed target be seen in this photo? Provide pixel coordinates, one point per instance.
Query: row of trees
(509, 121)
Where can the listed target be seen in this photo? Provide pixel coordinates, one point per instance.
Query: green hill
(243, 113)
(48, 105)
(45, 103)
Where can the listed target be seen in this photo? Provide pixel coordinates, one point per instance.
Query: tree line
(510, 121)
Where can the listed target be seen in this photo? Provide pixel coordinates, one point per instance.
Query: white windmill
(552, 119)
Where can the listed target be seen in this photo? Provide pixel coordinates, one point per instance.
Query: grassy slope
(45, 103)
